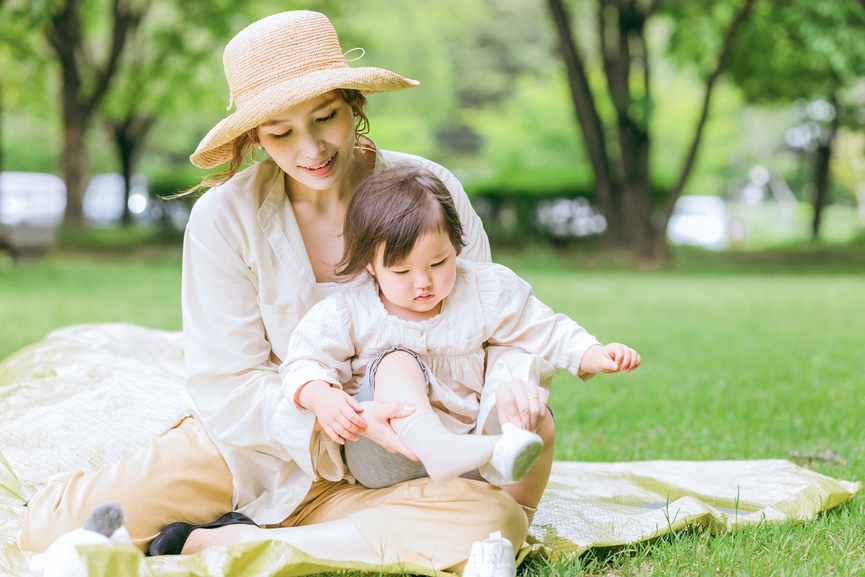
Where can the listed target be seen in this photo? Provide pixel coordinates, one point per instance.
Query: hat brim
(216, 147)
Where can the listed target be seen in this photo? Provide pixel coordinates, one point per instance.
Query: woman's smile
(321, 169)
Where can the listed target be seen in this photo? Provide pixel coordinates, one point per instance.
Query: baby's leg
(401, 377)
(371, 464)
(398, 376)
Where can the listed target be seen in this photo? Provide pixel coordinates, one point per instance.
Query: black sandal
(170, 540)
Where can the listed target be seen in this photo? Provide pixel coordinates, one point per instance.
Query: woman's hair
(243, 147)
(396, 207)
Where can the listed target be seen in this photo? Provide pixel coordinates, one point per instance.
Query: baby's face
(414, 289)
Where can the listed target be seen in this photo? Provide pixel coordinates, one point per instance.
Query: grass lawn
(737, 363)
(38, 296)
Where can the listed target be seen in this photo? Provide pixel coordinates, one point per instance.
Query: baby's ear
(370, 270)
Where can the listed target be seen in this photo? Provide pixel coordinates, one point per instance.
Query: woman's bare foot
(227, 535)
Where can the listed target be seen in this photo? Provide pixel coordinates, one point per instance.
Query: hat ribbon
(362, 52)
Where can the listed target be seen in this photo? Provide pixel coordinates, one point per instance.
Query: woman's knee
(547, 431)
(486, 508)
(506, 516)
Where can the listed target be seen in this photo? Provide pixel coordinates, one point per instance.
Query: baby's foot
(515, 453)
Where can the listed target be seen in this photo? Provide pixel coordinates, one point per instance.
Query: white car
(32, 199)
(699, 220)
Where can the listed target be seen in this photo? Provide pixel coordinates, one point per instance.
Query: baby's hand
(335, 410)
(610, 358)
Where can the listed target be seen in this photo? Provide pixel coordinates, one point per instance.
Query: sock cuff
(529, 511)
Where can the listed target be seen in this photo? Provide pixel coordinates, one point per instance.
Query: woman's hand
(608, 359)
(522, 403)
(335, 410)
(379, 429)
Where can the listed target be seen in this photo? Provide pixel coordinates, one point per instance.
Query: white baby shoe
(493, 557)
(515, 453)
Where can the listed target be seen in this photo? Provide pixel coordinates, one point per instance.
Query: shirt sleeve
(320, 348)
(515, 317)
(232, 376)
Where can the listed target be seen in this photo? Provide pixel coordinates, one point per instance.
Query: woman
(259, 251)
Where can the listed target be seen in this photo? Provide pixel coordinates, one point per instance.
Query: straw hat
(278, 62)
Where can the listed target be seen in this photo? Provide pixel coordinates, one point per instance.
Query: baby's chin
(422, 308)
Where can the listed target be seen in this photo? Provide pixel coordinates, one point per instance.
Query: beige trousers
(181, 476)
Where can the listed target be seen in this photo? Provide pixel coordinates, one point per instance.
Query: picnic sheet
(87, 394)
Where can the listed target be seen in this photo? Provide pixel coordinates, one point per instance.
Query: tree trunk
(74, 162)
(588, 118)
(822, 178)
(125, 151)
(65, 34)
(623, 47)
(129, 136)
(623, 181)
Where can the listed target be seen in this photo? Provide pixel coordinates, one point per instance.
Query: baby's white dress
(489, 304)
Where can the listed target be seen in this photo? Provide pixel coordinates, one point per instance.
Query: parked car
(31, 199)
(31, 209)
(699, 220)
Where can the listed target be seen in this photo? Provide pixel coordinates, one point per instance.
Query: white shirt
(489, 304)
(247, 281)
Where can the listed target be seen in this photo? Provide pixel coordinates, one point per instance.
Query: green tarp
(88, 394)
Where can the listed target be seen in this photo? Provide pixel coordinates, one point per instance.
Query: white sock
(445, 455)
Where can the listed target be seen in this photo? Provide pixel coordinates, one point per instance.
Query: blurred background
(624, 126)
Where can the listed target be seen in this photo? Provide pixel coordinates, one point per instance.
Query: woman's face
(313, 142)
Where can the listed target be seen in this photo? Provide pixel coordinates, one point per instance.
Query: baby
(432, 314)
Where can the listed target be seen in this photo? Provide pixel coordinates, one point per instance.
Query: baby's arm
(517, 318)
(318, 360)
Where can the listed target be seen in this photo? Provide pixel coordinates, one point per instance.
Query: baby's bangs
(415, 223)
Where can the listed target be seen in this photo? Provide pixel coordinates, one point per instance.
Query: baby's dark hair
(396, 207)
